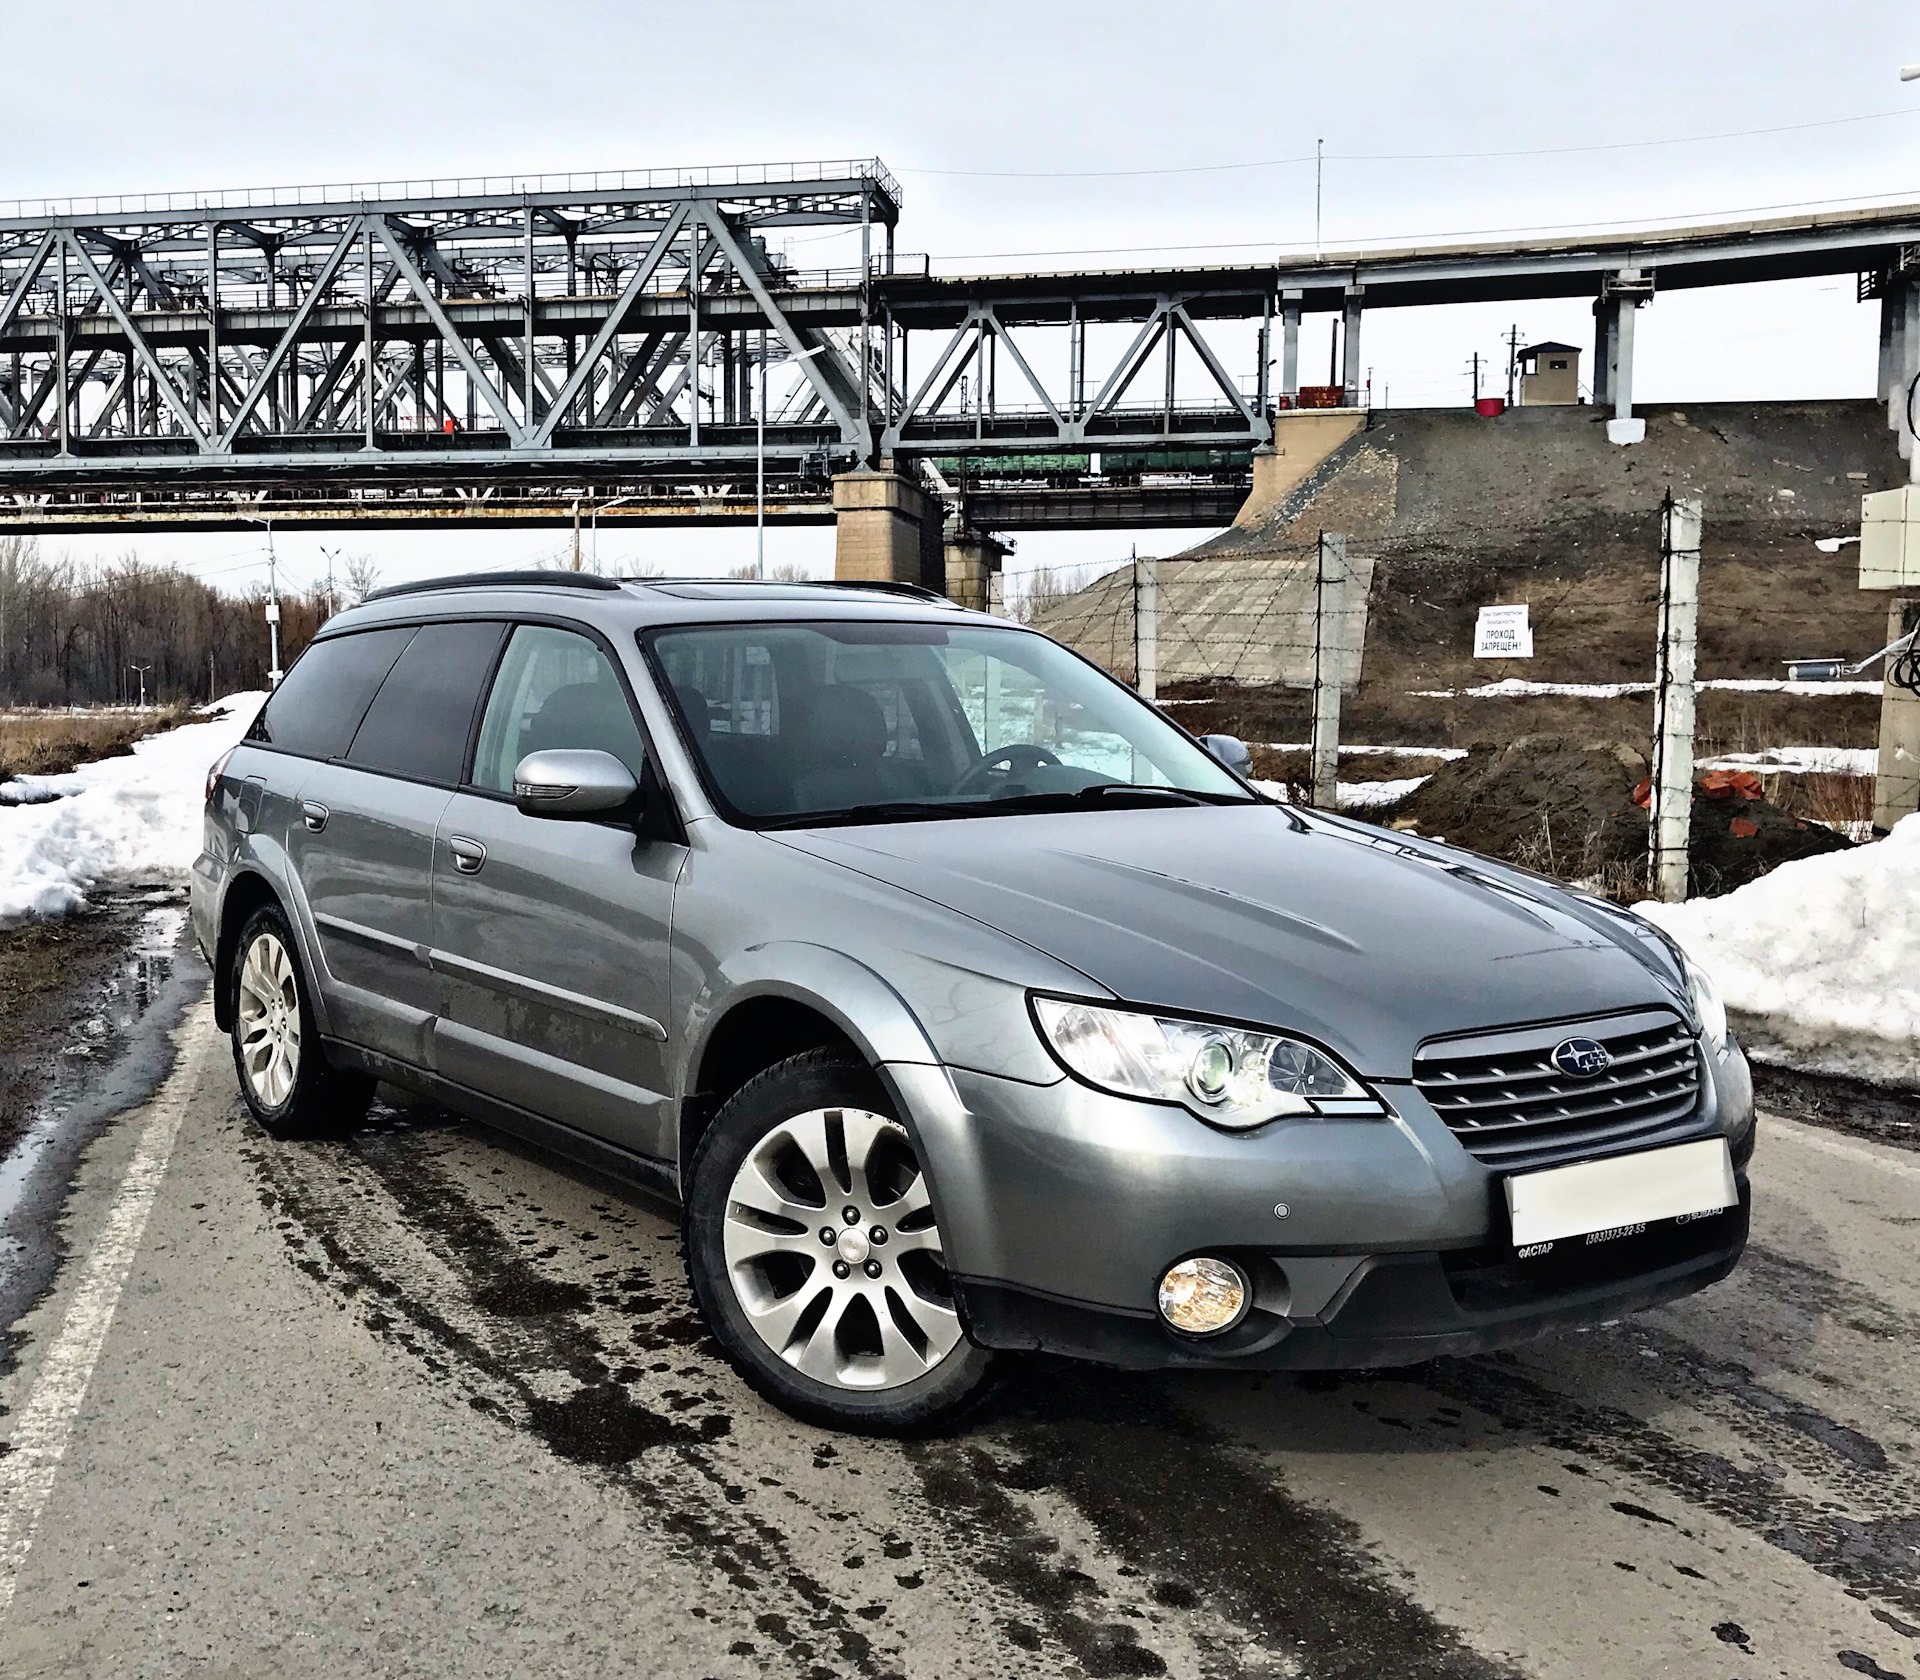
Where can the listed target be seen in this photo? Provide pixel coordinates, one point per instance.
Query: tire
(283, 1071)
(858, 1331)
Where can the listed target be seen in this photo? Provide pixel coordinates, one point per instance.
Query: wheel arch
(776, 1001)
(246, 892)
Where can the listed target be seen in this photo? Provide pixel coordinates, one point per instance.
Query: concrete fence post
(1896, 792)
(1329, 662)
(1670, 809)
(1146, 628)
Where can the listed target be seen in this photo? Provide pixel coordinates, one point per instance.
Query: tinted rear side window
(320, 702)
(419, 721)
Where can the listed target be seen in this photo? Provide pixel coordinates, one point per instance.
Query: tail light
(215, 771)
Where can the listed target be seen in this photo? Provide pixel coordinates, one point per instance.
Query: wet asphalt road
(424, 1403)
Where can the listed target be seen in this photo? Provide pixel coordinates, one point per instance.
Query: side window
(419, 721)
(555, 689)
(320, 702)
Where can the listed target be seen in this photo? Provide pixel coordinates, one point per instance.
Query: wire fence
(1349, 663)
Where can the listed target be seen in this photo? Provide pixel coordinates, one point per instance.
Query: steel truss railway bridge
(628, 345)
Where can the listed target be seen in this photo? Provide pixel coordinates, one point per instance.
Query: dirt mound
(1566, 808)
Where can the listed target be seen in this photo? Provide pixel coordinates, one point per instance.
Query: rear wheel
(816, 1257)
(284, 1076)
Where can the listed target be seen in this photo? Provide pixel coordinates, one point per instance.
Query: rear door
(550, 937)
(361, 839)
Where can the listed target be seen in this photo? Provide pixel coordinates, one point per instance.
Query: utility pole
(143, 670)
(1476, 376)
(1513, 359)
(1329, 643)
(576, 533)
(273, 598)
(1319, 163)
(1670, 809)
(333, 605)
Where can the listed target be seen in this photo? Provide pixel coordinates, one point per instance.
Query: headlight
(1707, 1004)
(1228, 1075)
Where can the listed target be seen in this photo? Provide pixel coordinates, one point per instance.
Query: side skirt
(641, 1172)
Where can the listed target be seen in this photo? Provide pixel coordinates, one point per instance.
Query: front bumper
(1393, 1309)
(1062, 1206)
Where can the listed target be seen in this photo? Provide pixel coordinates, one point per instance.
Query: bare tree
(363, 577)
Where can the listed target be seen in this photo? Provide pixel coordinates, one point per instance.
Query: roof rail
(886, 586)
(496, 580)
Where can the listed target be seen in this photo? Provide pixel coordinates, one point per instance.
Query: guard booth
(1549, 375)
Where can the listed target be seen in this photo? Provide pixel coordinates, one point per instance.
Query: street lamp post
(143, 670)
(760, 461)
(593, 524)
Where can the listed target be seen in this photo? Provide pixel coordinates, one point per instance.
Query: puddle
(114, 1056)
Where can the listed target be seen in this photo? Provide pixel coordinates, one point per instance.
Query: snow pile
(1820, 960)
(1835, 761)
(116, 816)
(1355, 796)
(1521, 687)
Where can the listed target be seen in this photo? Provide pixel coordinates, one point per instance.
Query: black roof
(1535, 349)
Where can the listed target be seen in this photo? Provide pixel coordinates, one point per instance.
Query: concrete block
(1626, 431)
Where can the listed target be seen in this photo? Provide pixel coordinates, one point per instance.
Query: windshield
(882, 721)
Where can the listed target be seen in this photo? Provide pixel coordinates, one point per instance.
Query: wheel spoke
(808, 1134)
(864, 1130)
(819, 1356)
(914, 1199)
(775, 1321)
(752, 1188)
(748, 1240)
(925, 1241)
(940, 1325)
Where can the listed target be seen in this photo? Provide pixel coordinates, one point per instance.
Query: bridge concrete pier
(1290, 300)
(887, 530)
(1621, 295)
(1350, 344)
(973, 560)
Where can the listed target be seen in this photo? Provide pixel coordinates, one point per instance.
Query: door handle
(468, 855)
(314, 816)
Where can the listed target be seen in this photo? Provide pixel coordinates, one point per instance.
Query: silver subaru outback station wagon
(963, 1001)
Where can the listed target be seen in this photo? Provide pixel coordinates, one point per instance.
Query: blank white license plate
(1600, 1199)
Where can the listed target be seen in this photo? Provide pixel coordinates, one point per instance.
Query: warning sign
(1503, 633)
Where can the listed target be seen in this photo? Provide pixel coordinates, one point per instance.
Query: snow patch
(1355, 796)
(115, 816)
(1841, 761)
(1519, 687)
(1820, 959)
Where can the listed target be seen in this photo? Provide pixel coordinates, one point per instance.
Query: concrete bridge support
(973, 561)
(1290, 345)
(1350, 345)
(888, 530)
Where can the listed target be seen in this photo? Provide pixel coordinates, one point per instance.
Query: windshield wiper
(1134, 790)
(892, 810)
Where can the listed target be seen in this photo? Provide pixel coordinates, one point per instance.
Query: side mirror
(573, 782)
(1231, 751)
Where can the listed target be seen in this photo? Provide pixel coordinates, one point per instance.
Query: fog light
(1203, 1296)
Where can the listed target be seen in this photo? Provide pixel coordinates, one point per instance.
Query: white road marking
(45, 1424)
(1882, 1156)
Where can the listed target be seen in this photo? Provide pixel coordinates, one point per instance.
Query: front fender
(889, 1035)
(849, 993)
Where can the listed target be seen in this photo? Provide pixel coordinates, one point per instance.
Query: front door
(550, 937)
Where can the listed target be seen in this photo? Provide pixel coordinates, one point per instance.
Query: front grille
(1511, 1107)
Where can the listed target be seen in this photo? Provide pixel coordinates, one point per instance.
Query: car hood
(1332, 929)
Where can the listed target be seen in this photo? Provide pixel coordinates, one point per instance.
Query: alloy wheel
(269, 1011)
(833, 1252)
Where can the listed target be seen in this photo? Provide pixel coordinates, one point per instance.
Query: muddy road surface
(422, 1402)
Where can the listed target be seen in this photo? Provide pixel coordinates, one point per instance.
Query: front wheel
(816, 1257)
(284, 1076)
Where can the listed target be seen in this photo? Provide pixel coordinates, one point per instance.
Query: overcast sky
(1025, 132)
